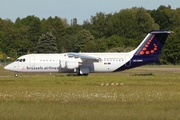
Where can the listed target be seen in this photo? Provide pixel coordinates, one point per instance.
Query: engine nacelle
(72, 64)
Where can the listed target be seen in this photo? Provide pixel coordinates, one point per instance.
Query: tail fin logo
(146, 49)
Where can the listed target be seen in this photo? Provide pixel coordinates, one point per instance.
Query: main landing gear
(82, 74)
(82, 71)
(74, 74)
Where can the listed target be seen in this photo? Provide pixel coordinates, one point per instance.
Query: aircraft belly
(100, 67)
(104, 68)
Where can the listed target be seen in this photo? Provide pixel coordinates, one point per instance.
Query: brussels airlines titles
(41, 68)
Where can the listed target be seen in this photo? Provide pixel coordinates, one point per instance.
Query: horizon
(69, 9)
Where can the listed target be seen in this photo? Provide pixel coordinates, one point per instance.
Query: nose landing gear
(16, 75)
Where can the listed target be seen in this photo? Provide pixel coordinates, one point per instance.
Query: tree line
(115, 32)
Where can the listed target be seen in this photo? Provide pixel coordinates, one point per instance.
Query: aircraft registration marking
(139, 60)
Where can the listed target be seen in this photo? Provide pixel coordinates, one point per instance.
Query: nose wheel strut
(16, 75)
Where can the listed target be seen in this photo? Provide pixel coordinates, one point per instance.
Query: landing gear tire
(16, 75)
(82, 74)
(85, 74)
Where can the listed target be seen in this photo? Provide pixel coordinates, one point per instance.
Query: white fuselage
(62, 63)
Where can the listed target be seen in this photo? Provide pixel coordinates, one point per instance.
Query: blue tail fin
(148, 51)
(150, 48)
(152, 44)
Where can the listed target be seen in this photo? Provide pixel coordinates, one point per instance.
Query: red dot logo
(146, 50)
(146, 46)
(142, 52)
(152, 51)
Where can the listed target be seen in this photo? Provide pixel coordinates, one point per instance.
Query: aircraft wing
(84, 57)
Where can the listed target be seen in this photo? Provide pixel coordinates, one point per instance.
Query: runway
(160, 69)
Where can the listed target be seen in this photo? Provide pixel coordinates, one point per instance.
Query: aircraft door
(62, 63)
(17, 65)
(32, 61)
(128, 64)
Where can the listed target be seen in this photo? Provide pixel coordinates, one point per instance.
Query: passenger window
(23, 60)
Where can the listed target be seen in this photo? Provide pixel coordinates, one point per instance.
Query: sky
(69, 9)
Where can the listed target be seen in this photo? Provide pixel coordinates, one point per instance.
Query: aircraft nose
(7, 67)
(11, 67)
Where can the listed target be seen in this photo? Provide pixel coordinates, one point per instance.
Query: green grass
(143, 94)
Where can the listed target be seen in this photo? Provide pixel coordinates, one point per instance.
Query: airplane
(84, 63)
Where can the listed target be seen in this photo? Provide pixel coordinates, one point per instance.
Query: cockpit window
(21, 60)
